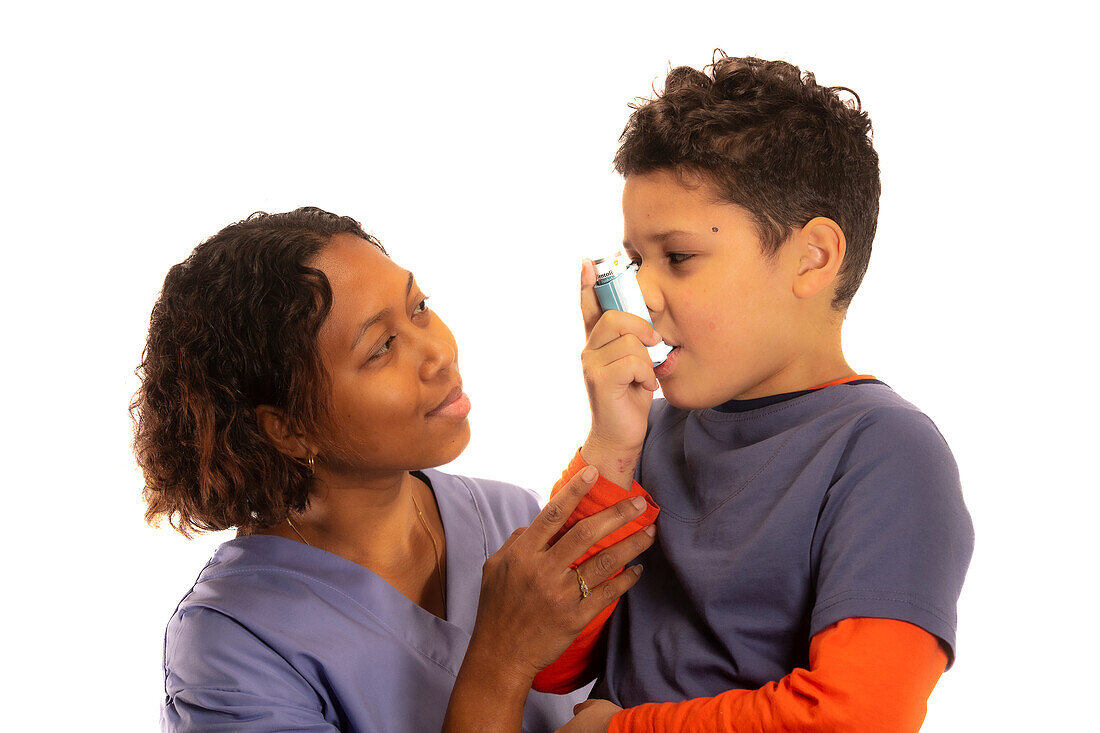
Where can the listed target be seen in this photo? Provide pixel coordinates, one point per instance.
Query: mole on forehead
(714, 229)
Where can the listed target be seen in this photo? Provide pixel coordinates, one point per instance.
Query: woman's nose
(438, 354)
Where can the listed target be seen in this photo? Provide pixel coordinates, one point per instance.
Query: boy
(812, 541)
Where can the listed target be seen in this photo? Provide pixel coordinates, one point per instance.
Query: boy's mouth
(668, 364)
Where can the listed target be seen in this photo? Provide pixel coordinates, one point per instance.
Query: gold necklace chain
(435, 548)
(303, 539)
(435, 552)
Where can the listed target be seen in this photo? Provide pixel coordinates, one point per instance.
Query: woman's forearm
(488, 696)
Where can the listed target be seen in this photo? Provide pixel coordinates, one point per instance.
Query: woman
(295, 386)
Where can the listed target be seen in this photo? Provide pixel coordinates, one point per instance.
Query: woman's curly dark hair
(235, 327)
(772, 141)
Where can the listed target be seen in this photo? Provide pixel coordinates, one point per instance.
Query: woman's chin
(451, 449)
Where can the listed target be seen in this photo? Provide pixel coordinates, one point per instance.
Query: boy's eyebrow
(660, 237)
(663, 236)
(378, 316)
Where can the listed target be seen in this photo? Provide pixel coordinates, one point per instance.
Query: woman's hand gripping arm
(531, 606)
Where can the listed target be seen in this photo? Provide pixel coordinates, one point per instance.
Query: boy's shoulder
(880, 419)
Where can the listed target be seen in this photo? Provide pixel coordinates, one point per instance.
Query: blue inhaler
(617, 289)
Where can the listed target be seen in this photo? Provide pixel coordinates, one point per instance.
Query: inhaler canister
(617, 289)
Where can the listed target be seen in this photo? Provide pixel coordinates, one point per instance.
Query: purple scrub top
(277, 635)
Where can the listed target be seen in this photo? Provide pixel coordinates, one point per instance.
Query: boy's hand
(591, 716)
(618, 374)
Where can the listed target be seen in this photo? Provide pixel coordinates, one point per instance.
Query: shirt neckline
(735, 406)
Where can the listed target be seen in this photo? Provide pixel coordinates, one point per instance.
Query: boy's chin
(687, 399)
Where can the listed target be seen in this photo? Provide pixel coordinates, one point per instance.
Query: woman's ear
(275, 426)
(820, 247)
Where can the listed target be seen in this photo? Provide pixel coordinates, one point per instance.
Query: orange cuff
(601, 496)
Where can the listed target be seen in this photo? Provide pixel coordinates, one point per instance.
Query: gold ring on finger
(585, 592)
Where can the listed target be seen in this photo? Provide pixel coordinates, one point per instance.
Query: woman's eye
(382, 349)
(676, 258)
(421, 306)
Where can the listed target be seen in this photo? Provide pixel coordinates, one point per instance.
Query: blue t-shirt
(776, 522)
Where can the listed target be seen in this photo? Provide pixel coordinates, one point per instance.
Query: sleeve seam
(870, 594)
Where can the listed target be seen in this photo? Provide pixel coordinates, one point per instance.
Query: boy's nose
(651, 293)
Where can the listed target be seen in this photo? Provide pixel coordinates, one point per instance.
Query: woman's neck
(371, 522)
(377, 524)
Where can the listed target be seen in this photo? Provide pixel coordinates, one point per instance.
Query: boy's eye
(674, 258)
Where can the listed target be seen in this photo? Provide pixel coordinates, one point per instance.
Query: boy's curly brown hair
(770, 140)
(235, 327)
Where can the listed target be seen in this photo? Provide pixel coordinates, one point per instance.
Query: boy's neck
(738, 406)
(817, 364)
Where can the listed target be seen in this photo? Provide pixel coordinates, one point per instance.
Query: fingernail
(638, 502)
(637, 569)
(651, 530)
(589, 473)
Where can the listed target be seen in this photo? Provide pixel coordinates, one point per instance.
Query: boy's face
(710, 292)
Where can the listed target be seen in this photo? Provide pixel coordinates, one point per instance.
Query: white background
(476, 141)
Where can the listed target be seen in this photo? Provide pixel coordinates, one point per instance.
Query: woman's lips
(668, 364)
(456, 404)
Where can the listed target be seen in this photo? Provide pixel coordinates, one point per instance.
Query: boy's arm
(619, 378)
(575, 667)
(866, 674)
(618, 375)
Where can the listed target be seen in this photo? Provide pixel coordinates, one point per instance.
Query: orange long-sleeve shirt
(865, 674)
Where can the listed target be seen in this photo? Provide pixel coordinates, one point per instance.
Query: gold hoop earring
(309, 462)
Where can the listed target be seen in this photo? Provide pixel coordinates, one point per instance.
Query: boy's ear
(819, 247)
(275, 426)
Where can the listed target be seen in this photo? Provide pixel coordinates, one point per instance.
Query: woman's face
(397, 402)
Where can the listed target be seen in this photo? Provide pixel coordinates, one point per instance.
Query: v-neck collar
(442, 640)
(467, 546)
